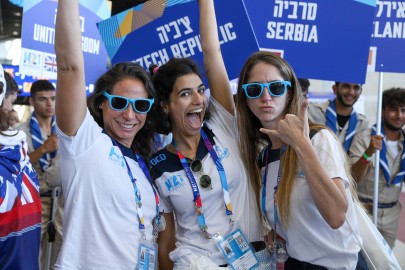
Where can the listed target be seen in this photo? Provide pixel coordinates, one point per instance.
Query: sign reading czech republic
(326, 40)
(387, 52)
(158, 30)
(38, 38)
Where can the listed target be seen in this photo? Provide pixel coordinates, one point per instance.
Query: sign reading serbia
(388, 40)
(158, 30)
(38, 37)
(326, 40)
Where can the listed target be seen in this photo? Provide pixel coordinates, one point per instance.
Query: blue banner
(326, 40)
(150, 34)
(387, 53)
(38, 33)
(24, 81)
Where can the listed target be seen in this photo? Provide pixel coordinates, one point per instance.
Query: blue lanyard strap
(194, 186)
(264, 185)
(138, 198)
(221, 172)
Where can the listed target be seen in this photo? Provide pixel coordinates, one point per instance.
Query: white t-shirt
(175, 190)
(309, 238)
(100, 222)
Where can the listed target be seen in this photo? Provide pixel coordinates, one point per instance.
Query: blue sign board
(326, 40)
(174, 32)
(24, 81)
(38, 37)
(387, 52)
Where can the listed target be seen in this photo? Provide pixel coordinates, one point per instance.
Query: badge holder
(147, 255)
(236, 249)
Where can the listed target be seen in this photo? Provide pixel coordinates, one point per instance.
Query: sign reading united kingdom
(326, 40)
(387, 52)
(38, 37)
(158, 30)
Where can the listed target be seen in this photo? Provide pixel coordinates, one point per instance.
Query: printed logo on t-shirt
(221, 153)
(116, 156)
(174, 183)
(158, 159)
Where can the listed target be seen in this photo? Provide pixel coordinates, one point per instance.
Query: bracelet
(366, 157)
(364, 160)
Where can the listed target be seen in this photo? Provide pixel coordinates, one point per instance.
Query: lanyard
(264, 184)
(138, 199)
(196, 191)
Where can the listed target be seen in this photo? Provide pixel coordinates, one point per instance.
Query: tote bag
(374, 248)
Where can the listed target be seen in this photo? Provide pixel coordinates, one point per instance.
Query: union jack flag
(50, 63)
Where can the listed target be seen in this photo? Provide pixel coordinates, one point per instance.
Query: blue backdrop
(326, 40)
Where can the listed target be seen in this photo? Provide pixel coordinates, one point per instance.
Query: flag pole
(377, 153)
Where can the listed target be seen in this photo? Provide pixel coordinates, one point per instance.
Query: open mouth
(194, 118)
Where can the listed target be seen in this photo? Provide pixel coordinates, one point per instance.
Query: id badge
(236, 250)
(147, 256)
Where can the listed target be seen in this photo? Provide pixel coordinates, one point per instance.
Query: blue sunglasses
(120, 103)
(275, 88)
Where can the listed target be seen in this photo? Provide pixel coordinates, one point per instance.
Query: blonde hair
(250, 137)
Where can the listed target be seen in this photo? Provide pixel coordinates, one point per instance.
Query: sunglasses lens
(118, 103)
(196, 166)
(253, 90)
(142, 106)
(277, 89)
(205, 181)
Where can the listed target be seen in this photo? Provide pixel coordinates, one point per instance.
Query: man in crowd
(42, 150)
(338, 114)
(391, 167)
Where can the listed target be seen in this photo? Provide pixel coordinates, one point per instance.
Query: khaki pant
(387, 221)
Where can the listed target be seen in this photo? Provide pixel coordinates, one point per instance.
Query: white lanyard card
(237, 251)
(147, 257)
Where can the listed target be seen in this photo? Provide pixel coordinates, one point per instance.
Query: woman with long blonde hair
(306, 196)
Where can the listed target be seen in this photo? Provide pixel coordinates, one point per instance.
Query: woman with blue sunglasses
(111, 207)
(306, 185)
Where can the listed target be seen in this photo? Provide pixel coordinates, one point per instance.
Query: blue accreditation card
(237, 251)
(147, 257)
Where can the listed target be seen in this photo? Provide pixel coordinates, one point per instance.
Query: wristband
(366, 157)
(364, 160)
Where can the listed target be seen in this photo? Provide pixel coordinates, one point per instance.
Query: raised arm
(218, 80)
(70, 95)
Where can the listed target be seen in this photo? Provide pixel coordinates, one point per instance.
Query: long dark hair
(143, 141)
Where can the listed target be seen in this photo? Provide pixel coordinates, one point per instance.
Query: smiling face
(347, 93)
(124, 125)
(394, 117)
(268, 109)
(187, 104)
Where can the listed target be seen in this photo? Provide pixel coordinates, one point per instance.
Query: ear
(101, 106)
(334, 88)
(165, 107)
(31, 100)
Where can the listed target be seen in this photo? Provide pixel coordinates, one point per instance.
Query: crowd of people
(148, 172)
